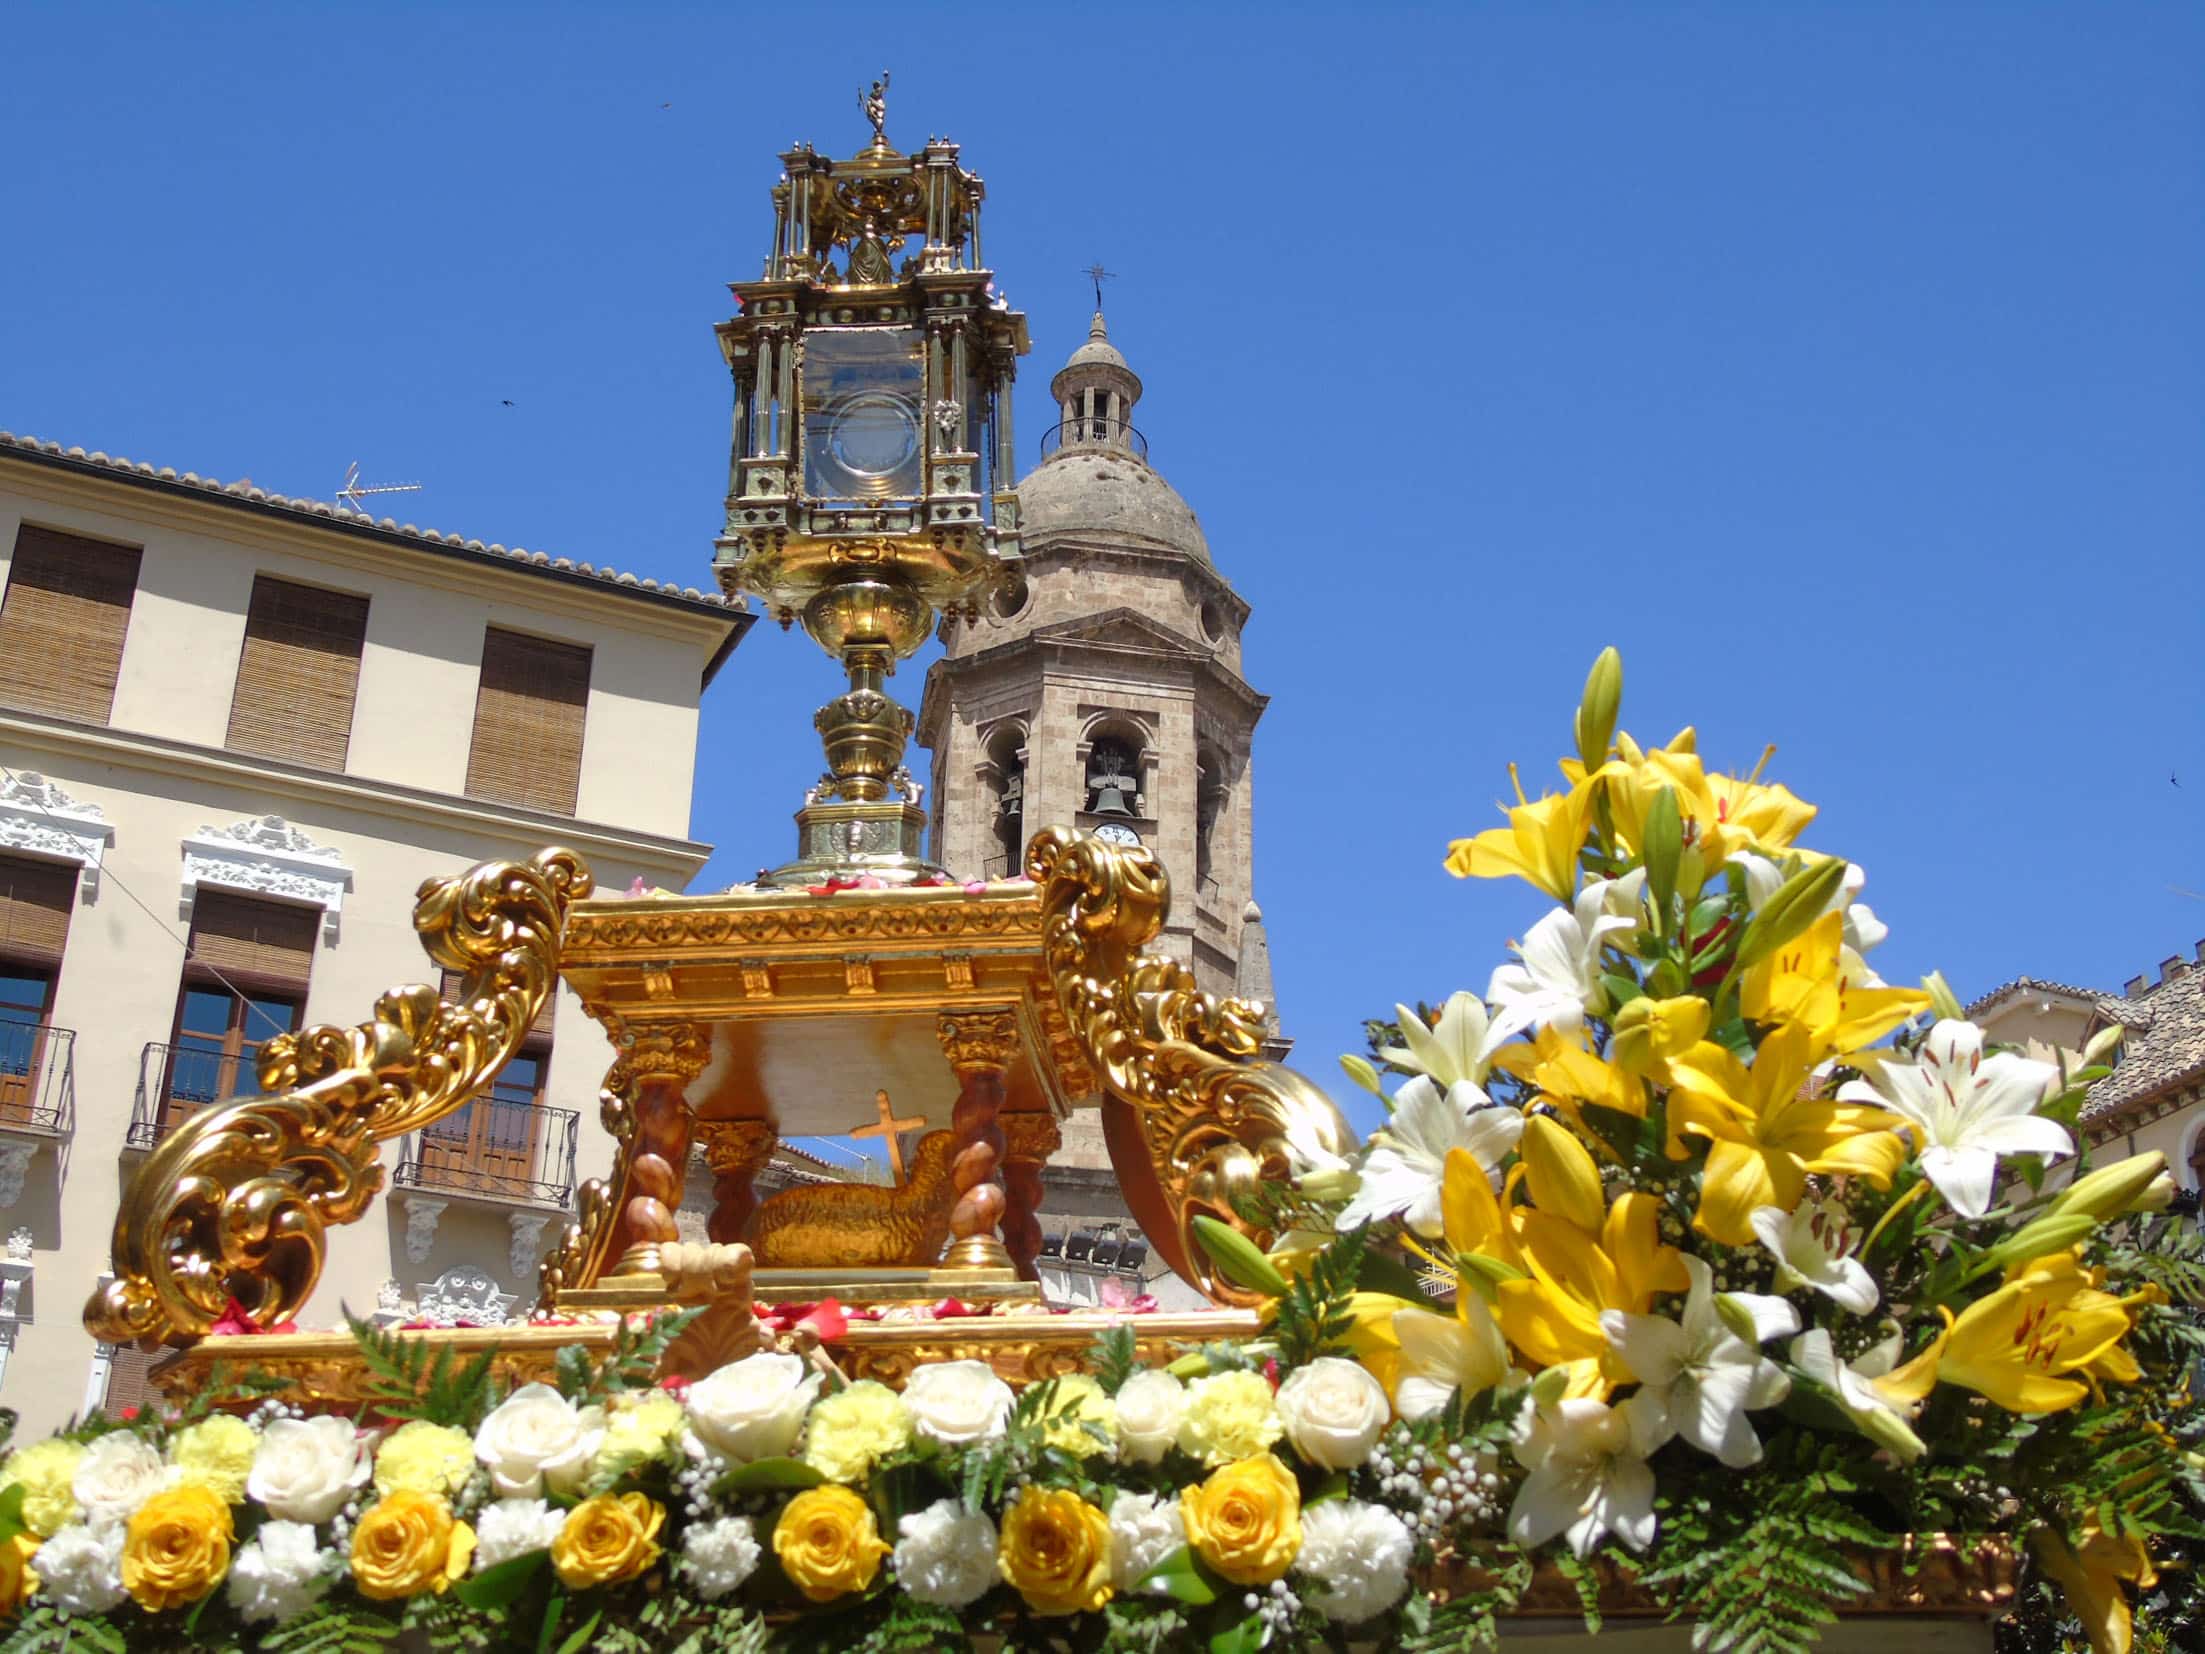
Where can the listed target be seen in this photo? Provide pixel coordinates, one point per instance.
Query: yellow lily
(2028, 1345)
(1370, 1337)
(1727, 813)
(2091, 1580)
(2114, 1364)
(1805, 983)
(1553, 1316)
(1568, 1074)
(1649, 1031)
(1472, 1217)
(1540, 843)
(1765, 1134)
(1561, 1174)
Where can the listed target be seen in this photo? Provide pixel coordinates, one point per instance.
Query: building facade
(237, 731)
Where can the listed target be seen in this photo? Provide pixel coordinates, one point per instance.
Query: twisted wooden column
(1029, 1139)
(663, 1061)
(737, 1151)
(979, 1045)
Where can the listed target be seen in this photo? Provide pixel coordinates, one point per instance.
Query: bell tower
(1102, 688)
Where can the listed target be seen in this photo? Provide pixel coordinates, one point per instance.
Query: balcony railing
(38, 1086)
(175, 1081)
(1097, 432)
(501, 1148)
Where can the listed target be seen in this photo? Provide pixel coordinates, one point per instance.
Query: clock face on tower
(1117, 832)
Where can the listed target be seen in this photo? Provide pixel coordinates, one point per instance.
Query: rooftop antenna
(354, 491)
(1098, 275)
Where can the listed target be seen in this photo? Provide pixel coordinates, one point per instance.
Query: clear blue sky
(1842, 364)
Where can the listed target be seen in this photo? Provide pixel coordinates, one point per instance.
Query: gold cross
(890, 1129)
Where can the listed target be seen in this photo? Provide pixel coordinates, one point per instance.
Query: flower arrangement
(1693, 1254)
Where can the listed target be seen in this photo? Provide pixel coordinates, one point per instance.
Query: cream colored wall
(419, 670)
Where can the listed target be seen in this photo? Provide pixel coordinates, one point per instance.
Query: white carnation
(80, 1569)
(537, 1436)
(305, 1469)
(280, 1575)
(1150, 1405)
(1359, 1553)
(958, 1403)
(719, 1555)
(1143, 1531)
(1333, 1411)
(946, 1555)
(749, 1409)
(117, 1474)
(506, 1528)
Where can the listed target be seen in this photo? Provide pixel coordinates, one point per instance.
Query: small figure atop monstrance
(875, 105)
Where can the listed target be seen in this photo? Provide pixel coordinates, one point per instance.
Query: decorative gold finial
(891, 1129)
(875, 105)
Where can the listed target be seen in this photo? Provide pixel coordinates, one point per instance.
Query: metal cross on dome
(891, 1129)
(1098, 275)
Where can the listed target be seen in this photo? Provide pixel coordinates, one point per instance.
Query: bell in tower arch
(1112, 787)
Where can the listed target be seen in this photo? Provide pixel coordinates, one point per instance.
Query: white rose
(506, 1528)
(279, 1575)
(1359, 1553)
(749, 1409)
(946, 1555)
(305, 1469)
(719, 1555)
(537, 1436)
(1334, 1412)
(80, 1569)
(117, 1474)
(1143, 1531)
(1150, 1406)
(958, 1403)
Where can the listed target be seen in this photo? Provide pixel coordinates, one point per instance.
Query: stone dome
(1099, 493)
(1098, 351)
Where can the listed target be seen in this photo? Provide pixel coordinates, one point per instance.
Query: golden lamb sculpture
(861, 1225)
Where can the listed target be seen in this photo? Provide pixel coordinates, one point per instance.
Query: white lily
(1703, 1378)
(1813, 1247)
(1458, 1046)
(1588, 1473)
(1406, 1162)
(1966, 1110)
(1881, 1404)
(1557, 979)
(1442, 1354)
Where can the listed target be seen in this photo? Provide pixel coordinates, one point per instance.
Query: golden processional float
(869, 490)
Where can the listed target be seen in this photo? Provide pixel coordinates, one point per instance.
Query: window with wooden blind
(298, 673)
(35, 901)
(243, 936)
(540, 1029)
(128, 1385)
(62, 623)
(529, 714)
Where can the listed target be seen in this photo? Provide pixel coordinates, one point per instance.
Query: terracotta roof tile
(2165, 1048)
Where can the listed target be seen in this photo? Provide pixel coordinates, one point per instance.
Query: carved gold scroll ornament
(1195, 1121)
(234, 1202)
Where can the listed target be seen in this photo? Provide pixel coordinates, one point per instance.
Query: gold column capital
(1030, 1136)
(978, 1041)
(680, 1052)
(737, 1145)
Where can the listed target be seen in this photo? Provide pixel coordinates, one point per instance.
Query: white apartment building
(237, 731)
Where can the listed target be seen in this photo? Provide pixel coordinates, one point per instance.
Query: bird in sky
(505, 402)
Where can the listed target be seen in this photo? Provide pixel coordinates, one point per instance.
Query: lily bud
(1737, 1318)
(1797, 903)
(1550, 1386)
(1890, 1432)
(1664, 836)
(1942, 999)
(2103, 1044)
(2049, 1234)
(1563, 1178)
(2110, 1190)
(1365, 1074)
(1649, 1031)
(1596, 711)
(1478, 1267)
(1336, 1184)
(1194, 1364)
(1239, 1259)
(2158, 1197)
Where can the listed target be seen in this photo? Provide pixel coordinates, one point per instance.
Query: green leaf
(769, 1476)
(11, 1512)
(1334, 1486)
(581, 1638)
(1182, 1578)
(554, 1610)
(1383, 1272)
(1239, 1259)
(1243, 1637)
(498, 1587)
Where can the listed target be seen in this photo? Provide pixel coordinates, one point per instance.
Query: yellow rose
(424, 1458)
(1246, 1520)
(608, 1539)
(850, 1431)
(177, 1548)
(48, 1472)
(408, 1542)
(639, 1431)
(16, 1579)
(217, 1454)
(1055, 1552)
(1229, 1416)
(828, 1543)
(1078, 1402)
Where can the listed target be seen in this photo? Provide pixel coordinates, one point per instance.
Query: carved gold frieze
(234, 1202)
(1210, 1122)
(827, 922)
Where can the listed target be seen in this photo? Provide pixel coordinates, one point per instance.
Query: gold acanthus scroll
(1215, 1122)
(235, 1200)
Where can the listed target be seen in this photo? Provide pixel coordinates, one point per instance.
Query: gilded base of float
(323, 1369)
(870, 1287)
